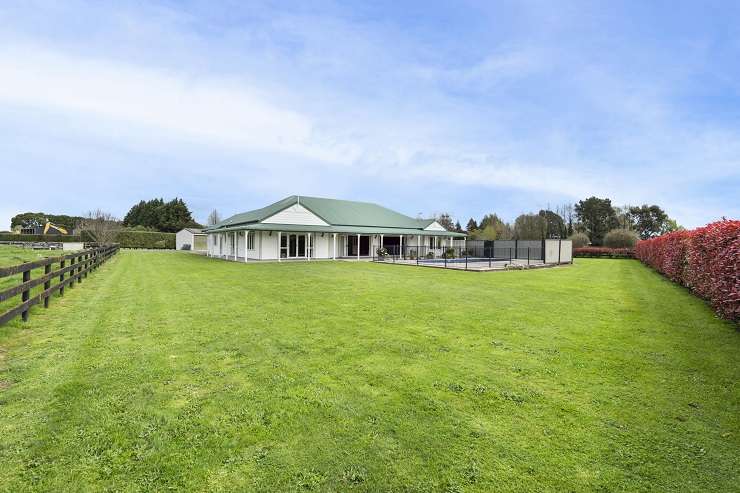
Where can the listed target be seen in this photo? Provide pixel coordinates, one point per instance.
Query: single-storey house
(300, 227)
(193, 237)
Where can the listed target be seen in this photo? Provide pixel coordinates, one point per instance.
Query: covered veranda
(290, 244)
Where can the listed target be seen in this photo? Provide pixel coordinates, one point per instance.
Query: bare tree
(214, 218)
(568, 214)
(100, 226)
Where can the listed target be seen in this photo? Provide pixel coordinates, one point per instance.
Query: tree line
(592, 221)
(147, 215)
(158, 215)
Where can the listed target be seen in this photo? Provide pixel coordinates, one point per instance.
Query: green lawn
(11, 255)
(169, 371)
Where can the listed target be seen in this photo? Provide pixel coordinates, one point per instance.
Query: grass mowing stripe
(187, 373)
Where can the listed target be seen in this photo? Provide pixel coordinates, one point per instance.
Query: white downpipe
(334, 249)
(308, 251)
(358, 246)
(246, 244)
(280, 246)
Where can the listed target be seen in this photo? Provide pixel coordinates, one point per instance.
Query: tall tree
(649, 221)
(157, 214)
(597, 217)
(494, 228)
(530, 227)
(554, 224)
(568, 214)
(458, 227)
(624, 217)
(670, 226)
(472, 225)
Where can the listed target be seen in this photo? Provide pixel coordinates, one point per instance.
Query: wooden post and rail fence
(73, 268)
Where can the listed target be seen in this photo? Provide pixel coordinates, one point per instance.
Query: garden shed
(191, 239)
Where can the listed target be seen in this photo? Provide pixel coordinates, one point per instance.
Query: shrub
(706, 260)
(579, 240)
(620, 238)
(450, 253)
(604, 252)
(430, 255)
(382, 253)
(45, 238)
(145, 239)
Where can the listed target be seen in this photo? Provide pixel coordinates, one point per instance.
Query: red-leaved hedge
(706, 260)
(604, 252)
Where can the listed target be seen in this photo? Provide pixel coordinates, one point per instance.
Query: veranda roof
(300, 228)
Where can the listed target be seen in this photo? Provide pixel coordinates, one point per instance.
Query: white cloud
(143, 100)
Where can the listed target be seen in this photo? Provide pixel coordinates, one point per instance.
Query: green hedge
(126, 239)
(47, 238)
(146, 239)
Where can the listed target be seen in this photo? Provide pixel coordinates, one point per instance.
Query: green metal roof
(345, 216)
(302, 228)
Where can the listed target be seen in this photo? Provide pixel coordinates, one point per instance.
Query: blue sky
(466, 107)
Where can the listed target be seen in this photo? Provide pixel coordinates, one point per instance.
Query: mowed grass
(12, 255)
(169, 371)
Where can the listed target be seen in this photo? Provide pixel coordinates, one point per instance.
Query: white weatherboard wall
(435, 226)
(269, 245)
(183, 237)
(296, 214)
(558, 251)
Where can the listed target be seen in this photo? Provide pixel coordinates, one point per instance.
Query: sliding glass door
(294, 246)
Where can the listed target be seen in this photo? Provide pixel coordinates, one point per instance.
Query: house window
(431, 242)
(250, 241)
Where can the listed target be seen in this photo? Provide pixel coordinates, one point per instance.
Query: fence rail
(80, 263)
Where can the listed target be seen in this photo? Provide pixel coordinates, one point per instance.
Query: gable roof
(341, 215)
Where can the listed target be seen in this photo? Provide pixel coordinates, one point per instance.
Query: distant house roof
(195, 231)
(346, 216)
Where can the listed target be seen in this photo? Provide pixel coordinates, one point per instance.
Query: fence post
(560, 245)
(445, 256)
(543, 251)
(61, 277)
(72, 264)
(466, 259)
(47, 284)
(527, 256)
(26, 293)
(489, 256)
(516, 250)
(510, 254)
(87, 263)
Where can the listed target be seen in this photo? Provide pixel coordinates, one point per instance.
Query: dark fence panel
(80, 263)
(476, 251)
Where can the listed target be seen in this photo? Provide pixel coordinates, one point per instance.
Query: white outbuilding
(191, 239)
